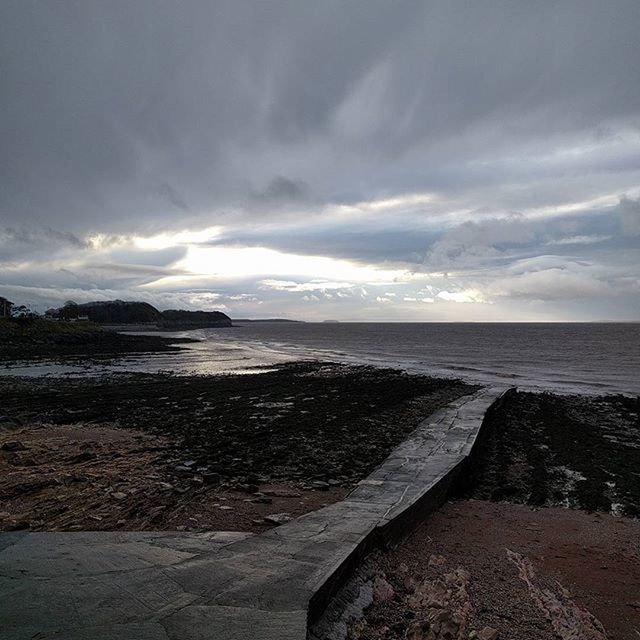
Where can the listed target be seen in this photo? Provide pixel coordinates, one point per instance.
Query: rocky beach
(538, 541)
(200, 452)
(541, 541)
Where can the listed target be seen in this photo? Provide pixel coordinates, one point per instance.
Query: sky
(361, 160)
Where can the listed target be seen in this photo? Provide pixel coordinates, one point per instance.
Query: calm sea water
(581, 358)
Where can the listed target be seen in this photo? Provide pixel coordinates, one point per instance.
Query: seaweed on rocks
(308, 421)
(568, 450)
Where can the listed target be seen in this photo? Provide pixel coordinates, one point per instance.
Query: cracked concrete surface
(227, 585)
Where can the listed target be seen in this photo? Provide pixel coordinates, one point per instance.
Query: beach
(203, 452)
(538, 537)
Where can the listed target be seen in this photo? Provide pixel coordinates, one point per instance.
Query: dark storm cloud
(347, 240)
(118, 115)
(283, 193)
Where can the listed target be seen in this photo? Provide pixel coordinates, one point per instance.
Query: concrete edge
(391, 532)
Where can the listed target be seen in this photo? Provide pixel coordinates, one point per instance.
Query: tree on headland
(22, 311)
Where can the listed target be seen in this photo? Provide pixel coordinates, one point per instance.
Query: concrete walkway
(222, 585)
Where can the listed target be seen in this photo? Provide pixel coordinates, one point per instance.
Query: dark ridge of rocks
(305, 421)
(546, 449)
(241, 452)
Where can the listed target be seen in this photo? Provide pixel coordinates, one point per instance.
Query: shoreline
(122, 446)
(159, 452)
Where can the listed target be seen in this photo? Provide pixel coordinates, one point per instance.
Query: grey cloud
(104, 102)
(362, 242)
(156, 258)
(40, 235)
(629, 212)
(283, 191)
(166, 190)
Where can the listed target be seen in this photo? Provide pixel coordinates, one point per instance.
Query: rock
(85, 456)
(246, 488)
(382, 590)
(14, 445)
(436, 561)
(225, 507)
(278, 518)
(118, 495)
(319, 484)
(488, 633)
(9, 424)
(282, 493)
(34, 486)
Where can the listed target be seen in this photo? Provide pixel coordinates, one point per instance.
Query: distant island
(122, 313)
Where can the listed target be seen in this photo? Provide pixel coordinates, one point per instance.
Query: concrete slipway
(226, 585)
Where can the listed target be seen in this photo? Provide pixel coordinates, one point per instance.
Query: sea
(587, 358)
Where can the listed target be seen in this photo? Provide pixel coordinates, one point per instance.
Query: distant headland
(121, 313)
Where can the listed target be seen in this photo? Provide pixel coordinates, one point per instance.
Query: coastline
(35, 340)
(158, 452)
(200, 452)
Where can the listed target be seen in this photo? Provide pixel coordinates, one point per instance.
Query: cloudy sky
(455, 160)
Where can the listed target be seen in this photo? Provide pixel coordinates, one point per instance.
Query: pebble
(13, 445)
(118, 495)
(282, 493)
(246, 488)
(382, 590)
(278, 518)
